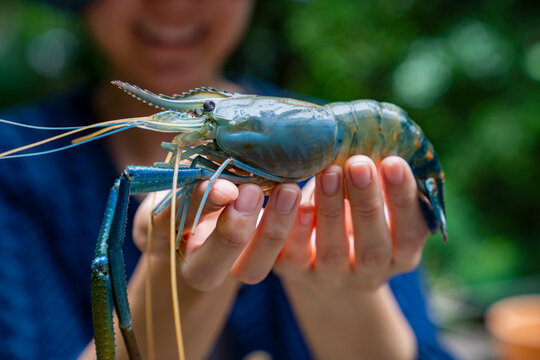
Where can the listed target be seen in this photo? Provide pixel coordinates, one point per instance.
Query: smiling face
(168, 45)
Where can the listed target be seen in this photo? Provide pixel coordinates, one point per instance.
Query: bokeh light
(480, 51)
(424, 75)
(532, 62)
(50, 53)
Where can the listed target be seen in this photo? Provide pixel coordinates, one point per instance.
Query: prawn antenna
(39, 127)
(108, 128)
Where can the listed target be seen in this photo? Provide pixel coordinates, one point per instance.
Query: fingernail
(248, 199)
(394, 172)
(306, 217)
(360, 173)
(329, 183)
(286, 198)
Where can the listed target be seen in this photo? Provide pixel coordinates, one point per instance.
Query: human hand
(354, 244)
(227, 241)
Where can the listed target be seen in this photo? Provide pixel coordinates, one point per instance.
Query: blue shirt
(51, 208)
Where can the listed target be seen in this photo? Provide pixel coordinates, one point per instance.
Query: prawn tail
(403, 137)
(432, 205)
(429, 175)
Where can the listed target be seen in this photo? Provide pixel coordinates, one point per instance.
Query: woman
(324, 303)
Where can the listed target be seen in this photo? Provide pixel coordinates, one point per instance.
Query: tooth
(169, 34)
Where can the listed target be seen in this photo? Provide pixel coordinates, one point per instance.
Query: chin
(171, 79)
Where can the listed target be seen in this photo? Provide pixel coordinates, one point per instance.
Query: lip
(169, 37)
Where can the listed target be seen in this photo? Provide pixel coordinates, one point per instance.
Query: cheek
(109, 24)
(228, 24)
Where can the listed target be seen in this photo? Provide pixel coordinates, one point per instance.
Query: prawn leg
(109, 287)
(109, 279)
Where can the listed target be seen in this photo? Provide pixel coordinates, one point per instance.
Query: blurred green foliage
(467, 72)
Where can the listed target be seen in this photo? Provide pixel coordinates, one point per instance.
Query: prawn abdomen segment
(374, 129)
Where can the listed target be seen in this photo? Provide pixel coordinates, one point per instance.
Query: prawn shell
(281, 138)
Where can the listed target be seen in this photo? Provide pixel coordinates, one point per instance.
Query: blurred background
(467, 72)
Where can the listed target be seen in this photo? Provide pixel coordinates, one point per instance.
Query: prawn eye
(209, 106)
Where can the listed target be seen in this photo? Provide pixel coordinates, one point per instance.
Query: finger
(211, 263)
(332, 245)
(298, 248)
(261, 253)
(372, 241)
(223, 192)
(407, 225)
